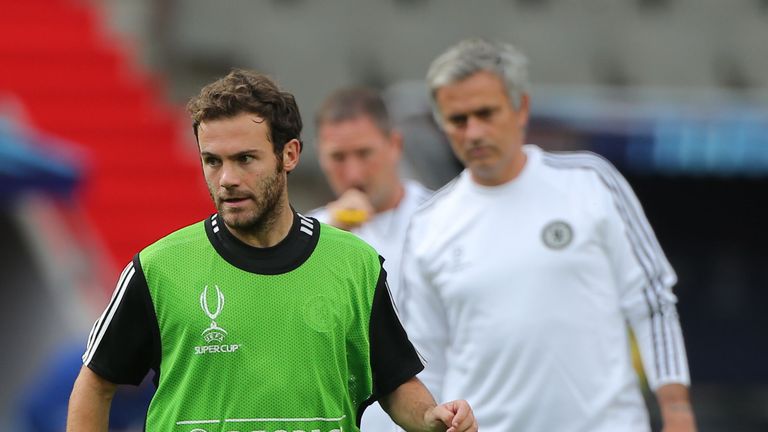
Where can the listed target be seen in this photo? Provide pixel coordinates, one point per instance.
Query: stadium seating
(78, 82)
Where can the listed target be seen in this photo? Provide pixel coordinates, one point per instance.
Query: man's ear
(523, 111)
(291, 152)
(396, 141)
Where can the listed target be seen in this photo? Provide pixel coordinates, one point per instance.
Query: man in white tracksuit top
(521, 274)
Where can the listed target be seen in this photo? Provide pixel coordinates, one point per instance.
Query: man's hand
(413, 408)
(454, 416)
(350, 210)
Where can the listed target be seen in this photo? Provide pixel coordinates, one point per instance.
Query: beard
(265, 210)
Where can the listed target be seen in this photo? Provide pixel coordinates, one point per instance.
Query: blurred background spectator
(97, 159)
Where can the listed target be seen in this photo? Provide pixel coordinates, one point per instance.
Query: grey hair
(474, 55)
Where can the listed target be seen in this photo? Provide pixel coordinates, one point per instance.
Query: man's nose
(354, 172)
(230, 176)
(475, 128)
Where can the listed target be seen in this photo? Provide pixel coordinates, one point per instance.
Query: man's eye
(365, 153)
(211, 161)
(458, 120)
(485, 113)
(245, 158)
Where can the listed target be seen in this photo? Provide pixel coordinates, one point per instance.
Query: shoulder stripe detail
(400, 320)
(423, 194)
(645, 248)
(392, 300)
(430, 200)
(307, 226)
(100, 327)
(630, 211)
(97, 326)
(304, 218)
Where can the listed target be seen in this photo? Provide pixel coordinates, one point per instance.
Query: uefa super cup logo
(213, 333)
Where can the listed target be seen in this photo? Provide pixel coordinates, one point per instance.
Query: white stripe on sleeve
(100, 327)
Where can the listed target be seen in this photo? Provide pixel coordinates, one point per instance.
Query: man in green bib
(257, 318)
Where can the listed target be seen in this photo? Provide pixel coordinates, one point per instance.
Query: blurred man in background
(359, 154)
(520, 276)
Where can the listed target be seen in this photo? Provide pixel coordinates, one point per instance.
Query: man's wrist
(676, 408)
(679, 406)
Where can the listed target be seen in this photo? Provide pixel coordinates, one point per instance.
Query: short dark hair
(244, 91)
(352, 102)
